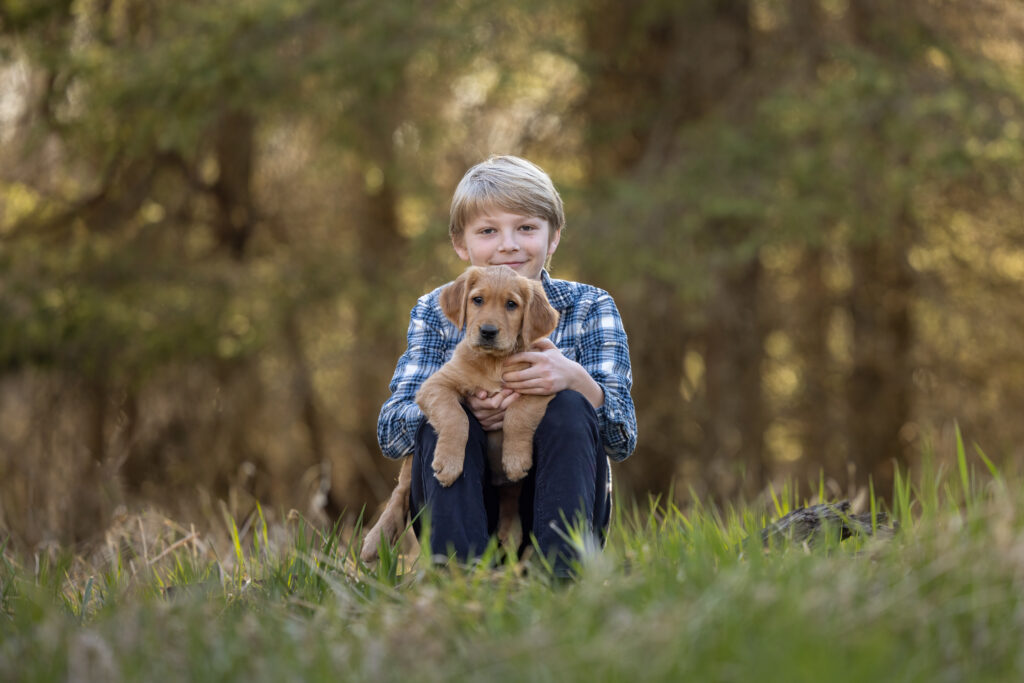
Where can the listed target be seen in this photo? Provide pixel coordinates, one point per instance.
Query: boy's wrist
(583, 383)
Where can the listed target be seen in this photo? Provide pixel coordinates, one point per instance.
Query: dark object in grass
(810, 523)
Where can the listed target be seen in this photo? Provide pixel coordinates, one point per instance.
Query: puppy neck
(488, 363)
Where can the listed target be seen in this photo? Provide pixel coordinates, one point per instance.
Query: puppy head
(503, 312)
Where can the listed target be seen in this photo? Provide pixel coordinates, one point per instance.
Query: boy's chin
(527, 270)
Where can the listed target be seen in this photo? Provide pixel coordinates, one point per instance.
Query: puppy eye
(511, 305)
(478, 300)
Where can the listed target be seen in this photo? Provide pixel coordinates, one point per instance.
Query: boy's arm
(400, 417)
(560, 374)
(604, 354)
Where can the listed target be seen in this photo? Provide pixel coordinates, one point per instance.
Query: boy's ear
(553, 242)
(459, 244)
(453, 297)
(540, 317)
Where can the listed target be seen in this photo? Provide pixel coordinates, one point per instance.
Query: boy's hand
(490, 410)
(549, 371)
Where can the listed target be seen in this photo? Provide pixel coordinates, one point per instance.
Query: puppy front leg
(443, 408)
(521, 420)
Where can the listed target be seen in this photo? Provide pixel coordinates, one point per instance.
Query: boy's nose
(509, 244)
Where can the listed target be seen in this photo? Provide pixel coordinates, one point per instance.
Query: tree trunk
(91, 504)
(657, 71)
(622, 106)
(378, 339)
(234, 140)
(878, 392)
(659, 337)
(815, 405)
(734, 429)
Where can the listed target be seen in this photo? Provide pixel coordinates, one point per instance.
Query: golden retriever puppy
(504, 313)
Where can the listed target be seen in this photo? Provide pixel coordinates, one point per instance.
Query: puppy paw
(447, 468)
(387, 529)
(371, 545)
(516, 464)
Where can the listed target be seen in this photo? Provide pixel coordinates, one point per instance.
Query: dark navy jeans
(569, 480)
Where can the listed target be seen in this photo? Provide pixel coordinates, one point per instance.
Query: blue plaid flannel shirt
(589, 332)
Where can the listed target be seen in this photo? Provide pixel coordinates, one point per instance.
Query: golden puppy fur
(504, 313)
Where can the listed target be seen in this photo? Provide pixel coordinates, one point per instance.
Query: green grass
(677, 595)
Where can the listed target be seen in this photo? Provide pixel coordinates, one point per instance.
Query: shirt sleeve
(604, 353)
(400, 417)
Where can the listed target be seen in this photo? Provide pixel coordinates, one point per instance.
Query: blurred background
(216, 215)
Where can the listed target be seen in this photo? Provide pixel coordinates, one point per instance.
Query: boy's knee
(568, 410)
(569, 416)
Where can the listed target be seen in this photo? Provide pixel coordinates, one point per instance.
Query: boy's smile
(500, 238)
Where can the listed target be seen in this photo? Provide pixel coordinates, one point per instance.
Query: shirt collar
(557, 291)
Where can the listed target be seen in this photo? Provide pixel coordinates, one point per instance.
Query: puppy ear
(539, 318)
(453, 297)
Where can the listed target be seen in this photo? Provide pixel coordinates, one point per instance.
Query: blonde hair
(509, 183)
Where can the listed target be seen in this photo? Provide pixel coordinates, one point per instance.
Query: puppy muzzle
(488, 335)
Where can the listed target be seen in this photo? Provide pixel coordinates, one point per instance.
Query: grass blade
(961, 461)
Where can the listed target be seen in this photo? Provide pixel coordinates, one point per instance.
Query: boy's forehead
(493, 210)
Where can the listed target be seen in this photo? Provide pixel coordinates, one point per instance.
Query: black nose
(488, 332)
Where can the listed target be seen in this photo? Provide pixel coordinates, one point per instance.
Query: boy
(506, 211)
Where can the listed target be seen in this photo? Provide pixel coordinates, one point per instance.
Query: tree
(149, 249)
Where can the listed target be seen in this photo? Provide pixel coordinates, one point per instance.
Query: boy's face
(497, 237)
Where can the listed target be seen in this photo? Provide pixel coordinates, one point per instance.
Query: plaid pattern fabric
(589, 332)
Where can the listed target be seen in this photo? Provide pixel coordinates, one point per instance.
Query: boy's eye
(527, 227)
(511, 305)
(478, 300)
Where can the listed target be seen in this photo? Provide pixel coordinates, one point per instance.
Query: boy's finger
(536, 385)
(530, 357)
(489, 403)
(509, 400)
(509, 379)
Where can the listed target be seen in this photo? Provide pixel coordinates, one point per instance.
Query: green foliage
(846, 148)
(101, 317)
(117, 264)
